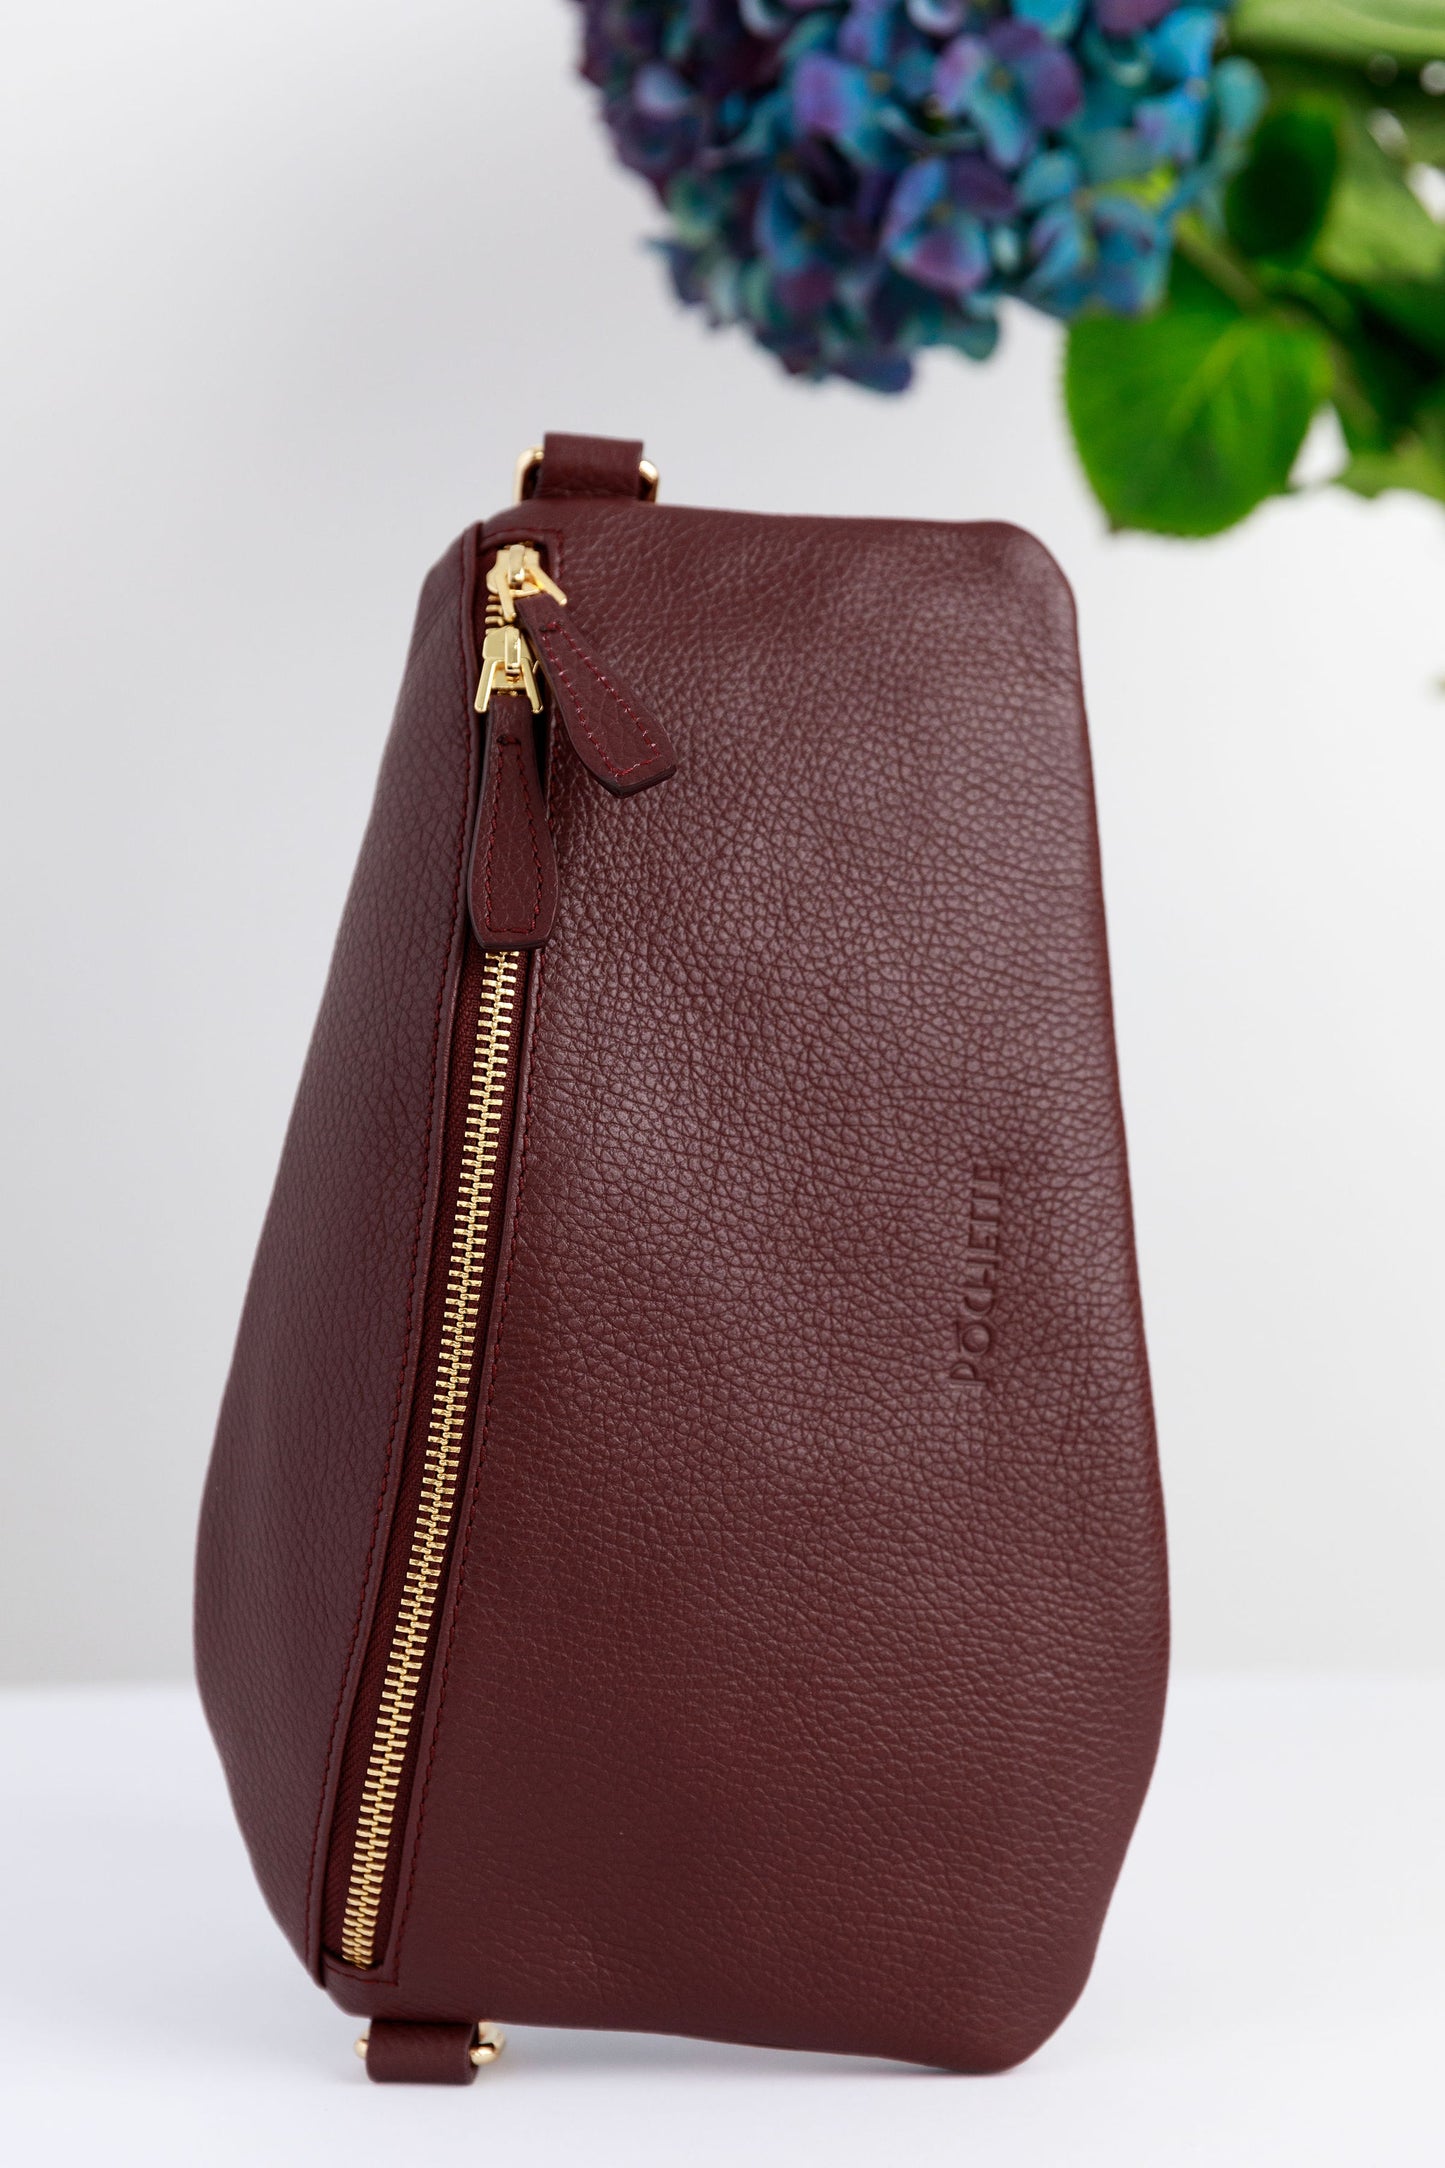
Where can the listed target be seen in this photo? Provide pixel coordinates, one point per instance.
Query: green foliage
(1350, 30)
(1320, 282)
(1188, 419)
(1276, 206)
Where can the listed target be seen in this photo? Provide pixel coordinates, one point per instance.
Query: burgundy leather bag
(683, 1546)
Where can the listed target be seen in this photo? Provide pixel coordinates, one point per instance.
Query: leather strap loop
(403, 2054)
(589, 467)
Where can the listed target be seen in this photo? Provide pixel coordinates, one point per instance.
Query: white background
(286, 285)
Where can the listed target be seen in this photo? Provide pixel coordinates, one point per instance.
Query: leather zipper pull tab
(609, 729)
(512, 881)
(611, 732)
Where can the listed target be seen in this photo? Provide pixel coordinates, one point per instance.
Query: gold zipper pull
(517, 570)
(508, 664)
(529, 627)
(506, 667)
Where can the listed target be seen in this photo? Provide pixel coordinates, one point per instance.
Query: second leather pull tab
(512, 884)
(611, 732)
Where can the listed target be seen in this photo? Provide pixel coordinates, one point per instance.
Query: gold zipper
(508, 664)
(472, 1230)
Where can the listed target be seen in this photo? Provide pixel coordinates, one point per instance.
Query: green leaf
(1381, 383)
(1357, 30)
(1186, 420)
(1290, 76)
(1276, 204)
(1417, 311)
(1377, 228)
(1423, 120)
(1416, 461)
(1412, 465)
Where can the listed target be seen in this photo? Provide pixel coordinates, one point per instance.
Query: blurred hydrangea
(856, 179)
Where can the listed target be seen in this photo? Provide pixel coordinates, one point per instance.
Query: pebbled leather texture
(612, 733)
(588, 466)
(512, 888)
(804, 1651)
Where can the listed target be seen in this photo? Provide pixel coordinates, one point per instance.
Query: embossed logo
(975, 1327)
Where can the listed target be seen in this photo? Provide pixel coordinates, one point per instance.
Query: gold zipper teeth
(451, 1390)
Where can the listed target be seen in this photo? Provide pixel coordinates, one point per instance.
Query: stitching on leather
(554, 630)
(483, 1426)
(511, 745)
(410, 1306)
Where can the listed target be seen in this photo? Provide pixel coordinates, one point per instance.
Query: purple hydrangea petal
(660, 93)
(1122, 18)
(1052, 86)
(975, 185)
(804, 292)
(864, 35)
(950, 256)
(830, 97)
(959, 68)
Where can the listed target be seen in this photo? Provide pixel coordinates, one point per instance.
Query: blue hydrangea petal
(1240, 95)
(1182, 47)
(1123, 61)
(920, 190)
(976, 336)
(1130, 285)
(1173, 126)
(1114, 154)
(1124, 222)
(765, 18)
(780, 230)
(1058, 19)
(939, 18)
(1009, 135)
(1060, 249)
(912, 73)
(1046, 177)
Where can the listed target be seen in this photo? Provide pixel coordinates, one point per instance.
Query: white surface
(1270, 1988)
(261, 362)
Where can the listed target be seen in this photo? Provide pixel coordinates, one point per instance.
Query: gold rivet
(489, 2044)
(361, 2045)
